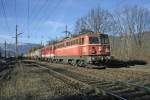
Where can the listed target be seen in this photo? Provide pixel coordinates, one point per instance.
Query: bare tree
(97, 20)
(127, 26)
(132, 22)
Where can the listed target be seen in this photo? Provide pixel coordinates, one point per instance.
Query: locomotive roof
(87, 34)
(75, 37)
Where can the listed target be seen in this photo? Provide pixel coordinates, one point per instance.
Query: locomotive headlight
(107, 50)
(100, 49)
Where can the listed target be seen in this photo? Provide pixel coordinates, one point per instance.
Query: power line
(46, 17)
(38, 11)
(28, 15)
(4, 15)
(35, 15)
(44, 6)
(16, 10)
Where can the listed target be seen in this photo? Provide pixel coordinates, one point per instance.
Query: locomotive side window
(81, 41)
(93, 40)
(76, 41)
(72, 42)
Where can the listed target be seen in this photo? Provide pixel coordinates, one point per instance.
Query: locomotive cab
(98, 48)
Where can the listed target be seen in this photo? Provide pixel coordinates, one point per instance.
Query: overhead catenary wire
(15, 11)
(44, 18)
(4, 15)
(28, 18)
(35, 15)
(43, 7)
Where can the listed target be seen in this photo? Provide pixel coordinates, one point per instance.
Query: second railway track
(115, 90)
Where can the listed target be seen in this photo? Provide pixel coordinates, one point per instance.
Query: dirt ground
(34, 83)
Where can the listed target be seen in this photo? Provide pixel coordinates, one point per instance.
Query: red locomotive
(91, 48)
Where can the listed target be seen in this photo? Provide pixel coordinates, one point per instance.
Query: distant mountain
(11, 48)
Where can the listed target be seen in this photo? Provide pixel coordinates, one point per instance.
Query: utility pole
(41, 49)
(5, 48)
(16, 38)
(16, 41)
(0, 52)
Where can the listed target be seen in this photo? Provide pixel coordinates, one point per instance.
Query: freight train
(90, 48)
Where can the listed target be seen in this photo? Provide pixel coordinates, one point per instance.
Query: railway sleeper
(115, 88)
(76, 84)
(80, 85)
(145, 97)
(137, 87)
(105, 86)
(147, 84)
(97, 82)
(132, 95)
(124, 90)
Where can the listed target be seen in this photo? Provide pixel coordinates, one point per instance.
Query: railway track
(115, 90)
(6, 70)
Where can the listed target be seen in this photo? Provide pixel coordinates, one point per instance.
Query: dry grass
(33, 83)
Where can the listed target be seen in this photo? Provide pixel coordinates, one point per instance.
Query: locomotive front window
(104, 40)
(94, 40)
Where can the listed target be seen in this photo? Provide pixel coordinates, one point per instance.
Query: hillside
(11, 48)
(125, 48)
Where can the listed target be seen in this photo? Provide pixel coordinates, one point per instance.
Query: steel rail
(68, 78)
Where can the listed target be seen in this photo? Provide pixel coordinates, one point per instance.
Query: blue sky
(46, 19)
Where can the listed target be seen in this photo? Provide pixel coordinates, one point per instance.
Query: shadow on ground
(120, 63)
(73, 97)
(83, 98)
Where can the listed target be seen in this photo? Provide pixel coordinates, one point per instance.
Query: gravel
(123, 74)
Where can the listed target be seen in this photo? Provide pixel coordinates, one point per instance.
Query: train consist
(90, 48)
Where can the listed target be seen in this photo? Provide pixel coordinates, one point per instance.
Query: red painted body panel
(68, 51)
(78, 49)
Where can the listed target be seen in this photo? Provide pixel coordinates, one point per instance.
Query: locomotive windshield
(104, 40)
(94, 40)
(101, 40)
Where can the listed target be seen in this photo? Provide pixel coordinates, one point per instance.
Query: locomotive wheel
(70, 62)
(80, 63)
(73, 63)
(76, 64)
